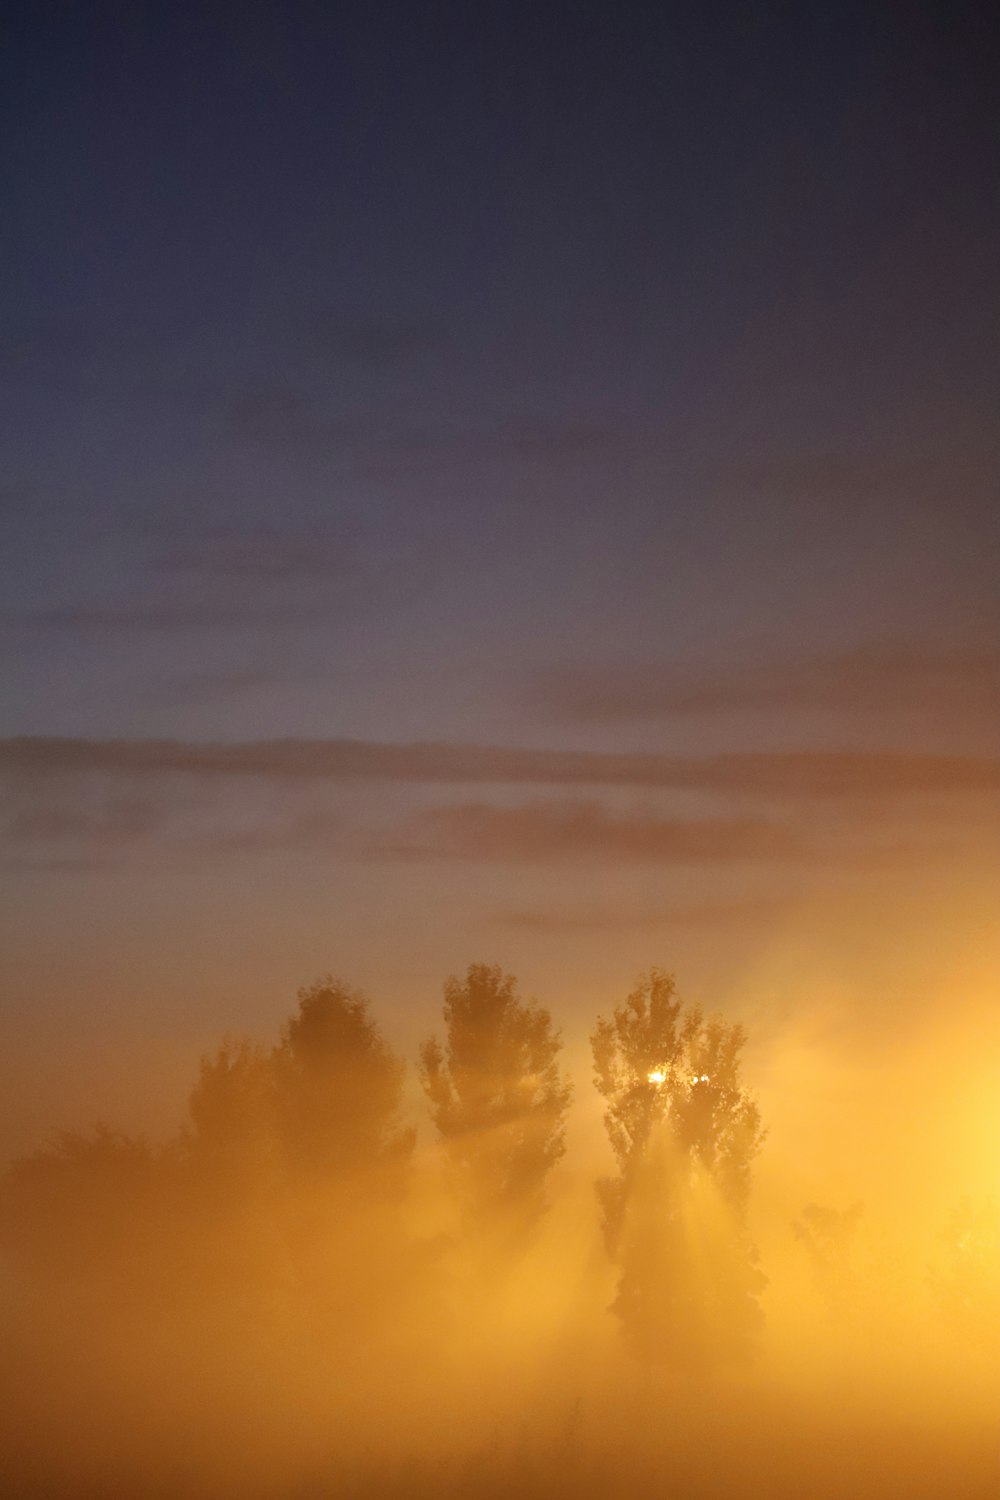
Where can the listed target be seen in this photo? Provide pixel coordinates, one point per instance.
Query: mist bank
(310, 1289)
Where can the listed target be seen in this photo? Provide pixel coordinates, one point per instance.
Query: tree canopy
(497, 1098)
(338, 1087)
(684, 1131)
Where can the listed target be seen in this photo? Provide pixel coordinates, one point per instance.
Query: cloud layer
(871, 679)
(775, 775)
(576, 829)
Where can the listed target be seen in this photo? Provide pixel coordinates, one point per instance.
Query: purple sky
(602, 379)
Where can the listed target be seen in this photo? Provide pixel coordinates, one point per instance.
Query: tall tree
(232, 1109)
(684, 1132)
(498, 1100)
(828, 1236)
(339, 1091)
(965, 1279)
(345, 1157)
(233, 1169)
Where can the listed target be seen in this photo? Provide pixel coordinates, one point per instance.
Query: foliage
(338, 1090)
(497, 1098)
(233, 1114)
(684, 1132)
(827, 1236)
(290, 1175)
(85, 1206)
(966, 1279)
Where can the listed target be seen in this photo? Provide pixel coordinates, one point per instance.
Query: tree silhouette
(233, 1114)
(684, 1132)
(273, 1226)
(338, 1091)
(300, 1163)
(233, 1173)
(965, 1281)
(498, 1101)
(828, 1236)
(81, 1207)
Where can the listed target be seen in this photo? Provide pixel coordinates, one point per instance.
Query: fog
(740, 1265)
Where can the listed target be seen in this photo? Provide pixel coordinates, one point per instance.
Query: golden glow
(873, 1207)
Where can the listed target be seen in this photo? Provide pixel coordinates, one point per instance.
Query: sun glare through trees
(306, 1256)
(499, 528)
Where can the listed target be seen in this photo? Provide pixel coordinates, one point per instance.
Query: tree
(828, 1236)
(81, 1208)
(233, 1174)
(965, 1281)
(684, 1132)
(339, 1092)
(233, 1114)
(344, 1158)
(498, 1100)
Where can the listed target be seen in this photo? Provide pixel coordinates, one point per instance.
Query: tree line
(289, 1183)
(304, 1145)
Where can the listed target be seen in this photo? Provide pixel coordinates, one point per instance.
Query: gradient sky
(610, 381)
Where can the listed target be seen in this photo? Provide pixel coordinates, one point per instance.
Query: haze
(499, 509)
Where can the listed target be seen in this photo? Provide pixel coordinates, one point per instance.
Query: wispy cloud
(789, 775)
(293, 418)
(169, 802)
(577, 921)
(260, 554)
(842, 477)
(286, 417)
(873, 679)
(168, 615)
(78, 348)
(117, 819)
(224, 577)
(572, 438)
(375, 342)
(570, 830)
(74, 827)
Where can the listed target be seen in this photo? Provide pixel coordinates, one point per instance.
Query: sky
(491, 482)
